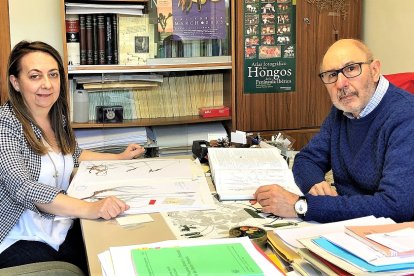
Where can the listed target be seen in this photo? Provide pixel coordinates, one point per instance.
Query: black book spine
(82, 39)
(95, 39)
(109, 40)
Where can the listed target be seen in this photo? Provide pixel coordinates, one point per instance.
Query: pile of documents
(230, 256)
(81, 8)
(110, 139)
(178, 139)
(355, 247)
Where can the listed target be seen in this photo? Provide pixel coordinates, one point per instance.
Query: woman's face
(38, 81)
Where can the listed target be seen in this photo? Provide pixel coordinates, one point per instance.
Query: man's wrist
(301, 207)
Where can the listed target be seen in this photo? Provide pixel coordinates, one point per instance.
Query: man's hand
(323, 188)
(274, 199)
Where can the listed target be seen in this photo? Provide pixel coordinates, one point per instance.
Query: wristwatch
(301, 207)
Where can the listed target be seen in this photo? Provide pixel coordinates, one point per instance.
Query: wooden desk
(99, 235)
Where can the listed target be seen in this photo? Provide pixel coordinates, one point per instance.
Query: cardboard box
(214, 111)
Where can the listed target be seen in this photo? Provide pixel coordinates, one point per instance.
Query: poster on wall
(190, 19)
(269, 46)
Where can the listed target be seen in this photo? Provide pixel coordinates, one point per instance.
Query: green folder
(217, 259)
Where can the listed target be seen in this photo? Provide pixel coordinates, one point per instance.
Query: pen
(277, 225)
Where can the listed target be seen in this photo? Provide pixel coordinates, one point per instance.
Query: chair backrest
(402, 80)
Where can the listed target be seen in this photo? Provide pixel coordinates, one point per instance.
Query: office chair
(402, 80)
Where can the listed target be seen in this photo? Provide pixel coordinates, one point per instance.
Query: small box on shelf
(214, 111)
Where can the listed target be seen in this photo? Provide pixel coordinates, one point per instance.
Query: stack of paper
(231, 256)
(357, 246)
(81, 8)
(178, 139)
(110, 139)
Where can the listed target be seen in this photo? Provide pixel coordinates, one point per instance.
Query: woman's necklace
(56, 174)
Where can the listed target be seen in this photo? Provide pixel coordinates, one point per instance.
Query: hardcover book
(82, 39)
(72, 39)
(101, 39)
(95, 39)
(89, 40)
(108, 39)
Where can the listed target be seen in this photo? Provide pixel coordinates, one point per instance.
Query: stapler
(200, 150)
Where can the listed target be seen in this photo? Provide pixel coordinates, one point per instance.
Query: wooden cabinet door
(4, 48)
(301, 112)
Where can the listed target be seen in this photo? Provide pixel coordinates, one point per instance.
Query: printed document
(238, 172)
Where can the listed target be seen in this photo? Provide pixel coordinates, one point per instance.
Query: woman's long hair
(59, 113)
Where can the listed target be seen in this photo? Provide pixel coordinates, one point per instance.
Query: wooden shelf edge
(152, 122)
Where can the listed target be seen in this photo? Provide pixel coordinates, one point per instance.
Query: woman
(38, 152)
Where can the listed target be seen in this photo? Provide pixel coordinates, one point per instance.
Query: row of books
(92, 39)
(98, 34)
(176, 96)
(99, 39)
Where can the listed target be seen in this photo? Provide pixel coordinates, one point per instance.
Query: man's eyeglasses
(350, 71)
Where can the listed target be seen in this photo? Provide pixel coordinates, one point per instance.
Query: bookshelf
(214, 58)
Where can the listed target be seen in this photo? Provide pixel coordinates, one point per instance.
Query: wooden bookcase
(181, 66)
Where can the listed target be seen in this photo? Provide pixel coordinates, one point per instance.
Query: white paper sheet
(238, 172)
(147, 185)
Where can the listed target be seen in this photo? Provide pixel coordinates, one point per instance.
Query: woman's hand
(107, 208)
(132, 151)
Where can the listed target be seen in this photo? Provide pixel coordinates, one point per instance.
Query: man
(367, 140)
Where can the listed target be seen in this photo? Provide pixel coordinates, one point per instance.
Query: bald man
(367, 140)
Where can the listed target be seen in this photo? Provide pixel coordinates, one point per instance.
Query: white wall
(36, 20)
(388, 30)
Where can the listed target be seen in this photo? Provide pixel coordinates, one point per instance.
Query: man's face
(351, 94)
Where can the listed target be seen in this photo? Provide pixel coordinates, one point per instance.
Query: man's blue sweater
(372, 160)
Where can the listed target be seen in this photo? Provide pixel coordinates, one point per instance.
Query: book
(72, 39)
(95, 39)
(89, 39)
(115, 38)
(82, 38)
(215, 259)
(135, 39)
(238, 172)
(101, 39)
(362, 233)
(108, 39)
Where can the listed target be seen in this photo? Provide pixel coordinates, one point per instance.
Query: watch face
(301, 206)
